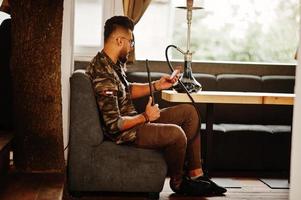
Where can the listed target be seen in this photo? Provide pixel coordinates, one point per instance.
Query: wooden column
(36, 68)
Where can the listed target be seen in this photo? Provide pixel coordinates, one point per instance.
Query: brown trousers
(173, 133)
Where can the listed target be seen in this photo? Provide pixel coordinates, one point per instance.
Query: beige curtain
(134, 9)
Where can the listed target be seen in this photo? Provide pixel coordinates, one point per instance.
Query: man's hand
(167, 81)
(152, 112)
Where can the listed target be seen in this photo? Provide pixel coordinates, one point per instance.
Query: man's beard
(123, 57)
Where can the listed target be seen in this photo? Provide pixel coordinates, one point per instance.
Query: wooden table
(217, 97)
(231, 97)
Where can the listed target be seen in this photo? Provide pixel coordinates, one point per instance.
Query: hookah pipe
(193, 85)
(187, 82)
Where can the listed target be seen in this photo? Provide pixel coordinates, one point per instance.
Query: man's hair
(117, 22)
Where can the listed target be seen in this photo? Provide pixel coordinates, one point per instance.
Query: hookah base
(190, 86)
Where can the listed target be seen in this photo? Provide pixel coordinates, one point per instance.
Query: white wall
(295, 186)
(67, 63)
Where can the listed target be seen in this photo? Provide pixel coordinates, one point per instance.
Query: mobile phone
(174, 73)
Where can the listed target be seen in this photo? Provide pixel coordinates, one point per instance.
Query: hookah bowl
(191, 84)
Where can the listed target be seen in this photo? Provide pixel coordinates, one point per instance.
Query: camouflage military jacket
(112, 93)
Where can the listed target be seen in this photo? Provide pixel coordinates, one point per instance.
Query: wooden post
(36, 71)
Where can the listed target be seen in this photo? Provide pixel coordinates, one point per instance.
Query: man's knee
(191, 111)
(178, 135)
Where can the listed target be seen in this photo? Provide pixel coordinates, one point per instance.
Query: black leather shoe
(214, 189)
(192, 187)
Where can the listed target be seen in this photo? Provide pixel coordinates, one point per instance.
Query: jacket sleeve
(106, 90)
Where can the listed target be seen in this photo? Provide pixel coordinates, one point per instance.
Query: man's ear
(119, 41)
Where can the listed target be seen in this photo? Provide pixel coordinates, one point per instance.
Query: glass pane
(88, 23)
(154, 31)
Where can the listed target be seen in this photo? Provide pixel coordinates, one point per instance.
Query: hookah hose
(185, 89)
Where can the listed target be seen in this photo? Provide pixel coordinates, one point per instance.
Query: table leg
(209, 135)
(289, 154)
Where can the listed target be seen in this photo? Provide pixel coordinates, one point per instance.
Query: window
(88, 27)
(226, 30)
(90, 16)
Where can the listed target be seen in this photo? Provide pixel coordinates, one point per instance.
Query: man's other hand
(167, 81)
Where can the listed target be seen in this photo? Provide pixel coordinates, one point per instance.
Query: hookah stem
(189, 18)
(183, 86)
(151, 92)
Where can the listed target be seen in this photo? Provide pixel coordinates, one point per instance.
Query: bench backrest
(84, 115)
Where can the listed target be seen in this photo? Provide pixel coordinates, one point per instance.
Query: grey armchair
(95, 164)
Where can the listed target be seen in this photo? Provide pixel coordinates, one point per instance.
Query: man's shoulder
(99, 64)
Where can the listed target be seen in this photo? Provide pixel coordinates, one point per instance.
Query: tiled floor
(50, 187)
(251, 189)
(19, 186)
